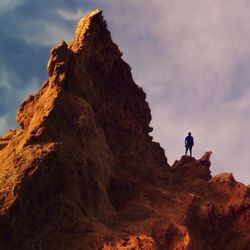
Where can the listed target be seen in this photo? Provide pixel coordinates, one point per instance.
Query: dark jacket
(189, 141)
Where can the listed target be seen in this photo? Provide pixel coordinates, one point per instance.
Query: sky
(191, 57)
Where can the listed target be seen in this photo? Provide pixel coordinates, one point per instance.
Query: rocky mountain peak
(82, 171)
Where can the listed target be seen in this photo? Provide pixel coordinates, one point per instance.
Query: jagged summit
(82, 171)
(92, 31)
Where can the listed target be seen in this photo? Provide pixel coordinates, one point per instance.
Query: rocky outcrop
(82, 171)
(189, 168)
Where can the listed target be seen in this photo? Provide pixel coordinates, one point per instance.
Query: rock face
(82, 172)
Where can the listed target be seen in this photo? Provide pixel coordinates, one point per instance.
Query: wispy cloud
(4, 123)
(6, 78)
(7, 5)
(45, 33)
(13, 92)
(70, 15)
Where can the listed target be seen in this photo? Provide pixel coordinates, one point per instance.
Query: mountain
(83, 173)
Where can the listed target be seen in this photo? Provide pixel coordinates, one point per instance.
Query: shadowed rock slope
(82, 171)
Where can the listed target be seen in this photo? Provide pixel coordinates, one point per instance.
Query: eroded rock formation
(82, 171)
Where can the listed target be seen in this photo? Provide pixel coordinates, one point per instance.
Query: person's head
(189, 133)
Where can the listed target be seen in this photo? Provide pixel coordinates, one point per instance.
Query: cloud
(6, 5)
(6, 78)
(37, 27)
(72, 16)
(13, 92)
(44, 33)
(4, 124)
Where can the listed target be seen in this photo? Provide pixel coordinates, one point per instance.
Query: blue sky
(192, 59)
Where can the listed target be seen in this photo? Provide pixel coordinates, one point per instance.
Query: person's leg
(186, 150)
(190, 149)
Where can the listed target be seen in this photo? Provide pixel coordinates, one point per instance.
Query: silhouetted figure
(189, 143)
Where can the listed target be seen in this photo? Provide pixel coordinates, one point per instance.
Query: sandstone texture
(83, 173)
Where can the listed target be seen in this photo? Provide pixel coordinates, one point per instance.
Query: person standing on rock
(189, 143)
